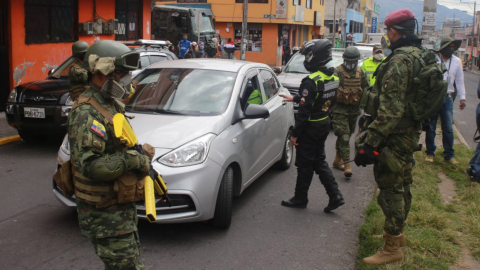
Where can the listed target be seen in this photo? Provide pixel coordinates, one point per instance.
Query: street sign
(374, 25)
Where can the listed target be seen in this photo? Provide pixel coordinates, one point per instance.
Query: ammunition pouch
(370, 102)
(130, 188)
(64, 179)
(388, 159)
(350, 90)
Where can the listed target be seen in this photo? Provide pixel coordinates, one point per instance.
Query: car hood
(47, 86)
(172, 131)
(291, 79)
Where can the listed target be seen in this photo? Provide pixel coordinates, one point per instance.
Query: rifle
(154, 181)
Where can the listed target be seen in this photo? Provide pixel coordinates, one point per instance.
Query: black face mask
(447, 52)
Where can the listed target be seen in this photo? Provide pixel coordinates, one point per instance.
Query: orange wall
(32, 62)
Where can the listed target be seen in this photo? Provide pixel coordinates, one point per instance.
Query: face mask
(379, 56)
(201, 47)
(185, 38)
(447, 52)
(350, 64)
(118, 89)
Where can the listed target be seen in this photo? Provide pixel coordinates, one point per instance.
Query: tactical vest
(127, 188)
(322, 105)
(350, 90)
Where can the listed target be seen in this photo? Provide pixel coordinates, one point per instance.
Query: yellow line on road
(10, 139)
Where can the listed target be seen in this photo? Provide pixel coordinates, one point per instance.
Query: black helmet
(125, 59)
(318, 52)
(351, 54)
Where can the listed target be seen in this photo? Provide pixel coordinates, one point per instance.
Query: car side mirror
(255, 111)
(50, 72)
(277, 70)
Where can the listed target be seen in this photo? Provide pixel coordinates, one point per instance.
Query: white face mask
(379, 56)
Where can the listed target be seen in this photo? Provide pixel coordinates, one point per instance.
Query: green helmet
(79, 47)
(125, 58)
(351, 54)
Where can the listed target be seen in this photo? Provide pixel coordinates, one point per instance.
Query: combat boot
(347, 168)
(295, 202)
(334, 202)
(389, 253)
(338, 162)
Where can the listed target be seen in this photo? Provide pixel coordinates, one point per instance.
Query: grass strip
(433, 228)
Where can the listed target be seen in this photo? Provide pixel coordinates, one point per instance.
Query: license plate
(34, 112)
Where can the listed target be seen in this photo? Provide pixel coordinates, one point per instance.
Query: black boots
(295, 203)
(335, 201)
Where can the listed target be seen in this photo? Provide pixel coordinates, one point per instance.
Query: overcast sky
(464, 5)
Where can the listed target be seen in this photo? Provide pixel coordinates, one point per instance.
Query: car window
(144, 61)
(251, 92)
(157, 58)
(182, 91)
(296, 65)
(64, 68)
(269, 83)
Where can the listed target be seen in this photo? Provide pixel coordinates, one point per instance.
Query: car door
(276, 125)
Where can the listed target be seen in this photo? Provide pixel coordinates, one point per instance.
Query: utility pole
(473, 33)
(333, 30)
(244, 31)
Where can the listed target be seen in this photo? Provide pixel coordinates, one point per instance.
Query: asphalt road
(37, 232)
(465, 120)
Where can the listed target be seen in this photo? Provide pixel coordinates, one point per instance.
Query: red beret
(398, 16)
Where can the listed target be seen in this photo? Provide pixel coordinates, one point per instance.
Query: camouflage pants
(343, 128)
(120, 252)
(395, 197)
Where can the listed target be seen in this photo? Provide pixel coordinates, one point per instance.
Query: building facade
(355, 25)
(340, 9)
(271, 23)
(37, 35)
(367, 8)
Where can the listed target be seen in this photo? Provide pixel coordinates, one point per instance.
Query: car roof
(208, 64)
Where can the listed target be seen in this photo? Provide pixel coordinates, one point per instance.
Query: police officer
(371, 64)
(295, 50)
(392, 134)
(104, 168)
(77, 74)
(353, 81)
(316, 97)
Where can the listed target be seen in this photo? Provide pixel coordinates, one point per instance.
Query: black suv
(41, 107)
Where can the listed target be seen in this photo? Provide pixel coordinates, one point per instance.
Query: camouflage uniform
(111, 229)
(395, 137)
(78, 80)
(345, 116)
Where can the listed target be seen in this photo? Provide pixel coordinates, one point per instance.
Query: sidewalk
(474, 71)
(7, 133)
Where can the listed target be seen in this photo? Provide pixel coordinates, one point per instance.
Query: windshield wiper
(129, 109)
(169, 112)
(293, 71)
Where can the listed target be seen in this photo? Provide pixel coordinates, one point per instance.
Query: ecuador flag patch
(98, 128)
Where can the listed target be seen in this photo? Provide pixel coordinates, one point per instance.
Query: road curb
(9, 139)
(460, 137)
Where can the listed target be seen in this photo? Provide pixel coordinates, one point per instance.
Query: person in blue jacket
(474, 170)
(183, 46)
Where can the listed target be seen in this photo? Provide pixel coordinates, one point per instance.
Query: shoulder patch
(305, 92)
(98, 128)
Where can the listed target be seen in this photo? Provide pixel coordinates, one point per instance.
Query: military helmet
(318, 52)
(79, 47)
(125, 58)
(351, 54)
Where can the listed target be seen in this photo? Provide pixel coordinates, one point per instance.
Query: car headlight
(65, 145)
(68, 102)
(12, 97)
(194, 152)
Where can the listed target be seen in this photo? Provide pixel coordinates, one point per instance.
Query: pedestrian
(183, 47)
(371, 64)
(77, 74)
(454, 78)
(316, 97)
(287, 54)
(393, 134)
(193, 48)
(170, 46)
(211, 49)
(230, 48)
(200, 53)
(353, 81)
(474, 170)
(102, 163)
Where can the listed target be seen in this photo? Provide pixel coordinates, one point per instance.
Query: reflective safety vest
(323, 100)
(255, 97)
(369, 66)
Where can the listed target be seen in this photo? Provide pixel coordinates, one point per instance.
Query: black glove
(365, 155)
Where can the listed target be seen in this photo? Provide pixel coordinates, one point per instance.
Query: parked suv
(41, 107)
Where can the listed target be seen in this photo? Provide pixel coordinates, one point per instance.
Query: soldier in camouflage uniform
(102, 164)
(77, 74)
(353, 81)
(393, 135)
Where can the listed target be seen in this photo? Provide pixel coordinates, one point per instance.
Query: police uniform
(369, 66)
(316, 97)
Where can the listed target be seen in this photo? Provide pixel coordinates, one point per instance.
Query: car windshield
(181, 91)
(296, 64)
(64, 68)
(206, 24)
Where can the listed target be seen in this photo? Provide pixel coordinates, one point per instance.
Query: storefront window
(254, 37)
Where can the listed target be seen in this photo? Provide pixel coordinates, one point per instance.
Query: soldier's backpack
(211, 49)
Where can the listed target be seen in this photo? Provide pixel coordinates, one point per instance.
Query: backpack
(430, 89)
(211, 49)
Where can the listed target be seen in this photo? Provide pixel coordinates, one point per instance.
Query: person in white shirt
(454, 77)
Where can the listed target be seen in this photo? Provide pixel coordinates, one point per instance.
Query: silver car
(216, 125)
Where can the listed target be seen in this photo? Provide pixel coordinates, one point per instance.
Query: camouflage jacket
(78, 75)
(344, 109)
(394, 80)
(86, 145)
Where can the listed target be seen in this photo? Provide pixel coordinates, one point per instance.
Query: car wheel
(287, 156)
(28, 136)
(223, 208)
